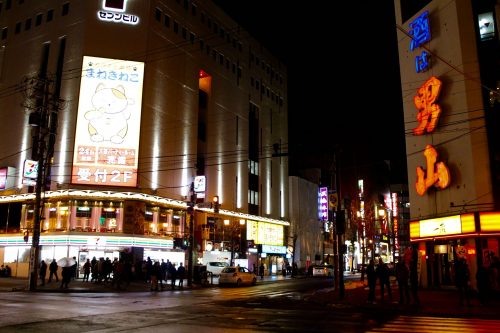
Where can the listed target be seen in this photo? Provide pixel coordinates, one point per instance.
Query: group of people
(158, 272)
(67, 273)
(406, 277)
(5, 271)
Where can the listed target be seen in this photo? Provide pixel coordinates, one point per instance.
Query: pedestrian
(402, 275)
(181, 272)
(295, 269)
(86, 270)
(173, 276)
(483, 284)
(414, 278)
(66, 275)
(372, 281)
(43, 272)
(53, 270)
(74, 270)
(382, 271)
(462, 280)
(154, 273)
(261, 270)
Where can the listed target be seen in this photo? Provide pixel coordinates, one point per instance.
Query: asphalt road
(297, 305)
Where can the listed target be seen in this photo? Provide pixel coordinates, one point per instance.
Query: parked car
(216, 267)
(323, 270)
(237, 275)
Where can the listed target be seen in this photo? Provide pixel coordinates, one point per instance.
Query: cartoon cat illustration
(108, 119)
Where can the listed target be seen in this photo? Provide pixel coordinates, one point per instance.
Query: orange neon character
(437, 173)
(429, 112)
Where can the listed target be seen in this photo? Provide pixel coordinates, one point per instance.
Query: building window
(50, 15)
(38, 19)
(253, 167)
(166, 20)
(192, 37)
(5, 32)
(216, 28)
(221, 59)
(184, 33)
(193, 9)
(202, 18)
(176, 27)
(65, 9)
(8, 4)
(253, 197)
(18, 28)
(158, 14)
(186, 4)
(202, 44)
(27, 24)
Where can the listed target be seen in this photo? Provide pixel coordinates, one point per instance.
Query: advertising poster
(108, 123)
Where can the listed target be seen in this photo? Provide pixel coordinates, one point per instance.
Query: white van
(216, 267)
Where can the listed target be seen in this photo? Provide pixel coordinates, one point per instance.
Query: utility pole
(190, 211)
(39, 122)
(339, 226)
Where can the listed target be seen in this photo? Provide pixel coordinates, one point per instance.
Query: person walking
(414, 278)
(372, 281)
(173, 276)
(43, 272)
(66, 276)
(402, 275)
(261, 270)
(382, 271)
(86, 270)
(462, 279)
(53, 271)
(181, 272)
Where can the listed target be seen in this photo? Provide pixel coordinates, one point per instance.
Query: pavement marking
(426, 324)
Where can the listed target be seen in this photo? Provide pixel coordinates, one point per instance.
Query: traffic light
(26, 236)
(216, 204)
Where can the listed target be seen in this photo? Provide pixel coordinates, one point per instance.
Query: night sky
(343, 77)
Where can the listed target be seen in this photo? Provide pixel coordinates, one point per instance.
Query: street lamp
(234, 226)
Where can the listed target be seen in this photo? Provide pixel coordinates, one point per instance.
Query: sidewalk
(442, 302)
(79, 286)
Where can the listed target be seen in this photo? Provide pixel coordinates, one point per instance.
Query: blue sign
(420, 30)
(422, 62)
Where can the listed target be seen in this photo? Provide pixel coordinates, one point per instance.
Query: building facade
(121, 116)
(448, 55)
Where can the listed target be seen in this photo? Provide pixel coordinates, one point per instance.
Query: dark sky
(343, 76)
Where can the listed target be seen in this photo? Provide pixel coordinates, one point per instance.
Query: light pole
(234, 225)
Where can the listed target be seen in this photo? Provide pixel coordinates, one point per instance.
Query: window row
(274, 75)
(38, 20)
(264, 90)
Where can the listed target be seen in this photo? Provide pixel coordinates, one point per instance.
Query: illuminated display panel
(441, 226)
(265, 233)
(108, 123)
(489, 221)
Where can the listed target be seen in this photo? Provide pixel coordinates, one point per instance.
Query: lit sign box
(274, 249)
(7, 177)
(30, 169)
(200, 184)
(441, 226)
(108, 122)
(265, 233)
(114, 11)
(323, 203)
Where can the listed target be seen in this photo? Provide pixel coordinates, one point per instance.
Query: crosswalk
(423, 324)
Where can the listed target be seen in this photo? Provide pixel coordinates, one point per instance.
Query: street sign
(204, 205)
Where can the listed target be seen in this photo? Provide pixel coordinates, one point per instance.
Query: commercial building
(450, 79)
(118, 116)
